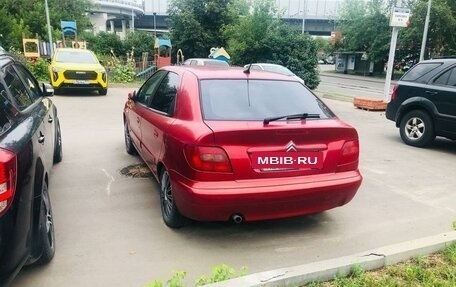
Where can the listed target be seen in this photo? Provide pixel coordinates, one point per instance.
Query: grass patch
(427, 271)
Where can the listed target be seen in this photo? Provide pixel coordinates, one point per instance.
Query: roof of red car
(203, 72)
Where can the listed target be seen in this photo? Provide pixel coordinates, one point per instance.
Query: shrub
(122, 72)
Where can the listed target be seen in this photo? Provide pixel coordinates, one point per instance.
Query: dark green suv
(423, 103)
(30, 143)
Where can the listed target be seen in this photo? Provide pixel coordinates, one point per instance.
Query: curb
(328, 269)
(355, 77)
(336, 96)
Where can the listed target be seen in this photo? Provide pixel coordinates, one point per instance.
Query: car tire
(171, 215)
(417, 129)
(58, 150)
(46, 229)
(129, 147)
(102, 92)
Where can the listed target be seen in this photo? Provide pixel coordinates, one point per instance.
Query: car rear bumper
(261, 199)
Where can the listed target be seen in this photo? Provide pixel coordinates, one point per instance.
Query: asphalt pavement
(347, 86)
(109, 230)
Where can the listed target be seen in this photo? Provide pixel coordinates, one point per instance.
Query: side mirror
(132, 96)
(47, 89)
(101, 63)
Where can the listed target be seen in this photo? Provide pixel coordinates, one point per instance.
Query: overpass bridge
(116, 16)
(119, 15)
(313, 26)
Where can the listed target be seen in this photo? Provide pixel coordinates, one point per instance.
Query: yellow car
(77, 69)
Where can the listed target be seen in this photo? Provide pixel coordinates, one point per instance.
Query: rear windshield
(257, 100)
(419, 70)
(82, 57)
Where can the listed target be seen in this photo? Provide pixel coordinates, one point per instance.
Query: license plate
(286, 160)
(81, 82)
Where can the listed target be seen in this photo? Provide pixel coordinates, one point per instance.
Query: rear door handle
(431, 93)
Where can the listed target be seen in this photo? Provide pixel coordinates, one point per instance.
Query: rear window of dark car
(216, 63)
(257, 100)
(419, 71)
(4, 109)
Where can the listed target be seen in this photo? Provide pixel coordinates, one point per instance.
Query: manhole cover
(138, 170)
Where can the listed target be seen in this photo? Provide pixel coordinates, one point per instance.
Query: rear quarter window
(419, 71)
(5, 109)
(257, 100)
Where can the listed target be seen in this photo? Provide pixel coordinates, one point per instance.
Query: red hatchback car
(228, 143)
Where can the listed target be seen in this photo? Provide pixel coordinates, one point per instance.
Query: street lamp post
(49, 26)
(303, 16)
(425, 32)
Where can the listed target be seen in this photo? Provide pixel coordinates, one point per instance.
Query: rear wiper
(292, 117)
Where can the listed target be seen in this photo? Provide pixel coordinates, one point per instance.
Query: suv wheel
(58, 151)
(46, 228)
(417, 129)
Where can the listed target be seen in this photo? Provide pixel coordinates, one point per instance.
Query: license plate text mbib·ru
(271, 160)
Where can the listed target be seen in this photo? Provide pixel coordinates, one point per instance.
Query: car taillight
(204, 158)
(393, 93)
(350, 156)
(8, 167)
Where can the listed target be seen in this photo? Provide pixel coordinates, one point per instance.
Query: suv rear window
(4, 106)
(419, 70)
(257, 100)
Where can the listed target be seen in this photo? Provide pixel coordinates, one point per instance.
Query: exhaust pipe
(237, 218)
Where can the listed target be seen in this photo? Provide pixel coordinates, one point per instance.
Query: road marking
(111, 180)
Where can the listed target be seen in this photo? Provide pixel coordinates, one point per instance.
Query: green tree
(196, 25)
(441, 36)
(141, 42)
(365, 28)
(11, 32)
(31, 17)
(260, 36)
(104, 43)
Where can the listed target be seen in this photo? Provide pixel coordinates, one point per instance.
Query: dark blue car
(30, 143)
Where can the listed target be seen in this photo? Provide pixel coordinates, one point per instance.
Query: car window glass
(419, 70)
(443, 79)
(257, 100)
(147, 90)
(255, 67)
(17, 88)
(447, 79)
(76, 56)
(193, 62)
(215, 63)
(31, 84)
(4, 109)
(452, 78)
(163, 99)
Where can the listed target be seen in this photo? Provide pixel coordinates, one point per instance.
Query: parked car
(241, 145)
(77, 69)
(423, 103)
(274, 68)
(30, 143)
(205, 62)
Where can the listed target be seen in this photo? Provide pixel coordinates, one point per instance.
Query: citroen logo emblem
(291, 146)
